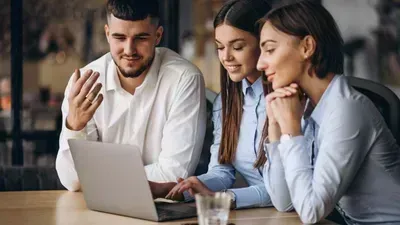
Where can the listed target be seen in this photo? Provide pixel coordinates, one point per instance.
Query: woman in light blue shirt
(238, 112)
(333, 150)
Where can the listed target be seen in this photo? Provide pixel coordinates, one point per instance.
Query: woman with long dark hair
(239, 111)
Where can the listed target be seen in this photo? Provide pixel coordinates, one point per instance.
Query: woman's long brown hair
(262, 159)
(231, 119)
(232, 109)
(241, 14)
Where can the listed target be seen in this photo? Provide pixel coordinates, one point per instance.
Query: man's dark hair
(134, 10)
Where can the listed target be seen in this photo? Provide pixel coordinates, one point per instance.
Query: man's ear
(107, 32)
(159, 33)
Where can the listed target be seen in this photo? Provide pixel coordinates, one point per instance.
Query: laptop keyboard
(167, 211)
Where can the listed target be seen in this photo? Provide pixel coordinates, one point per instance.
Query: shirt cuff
(288, 146)
(71, 134)
(213, 182)
(249, 197)
(272, 154)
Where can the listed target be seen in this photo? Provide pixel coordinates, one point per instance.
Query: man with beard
(137, 94)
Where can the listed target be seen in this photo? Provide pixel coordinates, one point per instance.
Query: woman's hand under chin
(285, 107)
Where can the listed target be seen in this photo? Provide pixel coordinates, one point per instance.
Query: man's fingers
(92, 95)
(76, 76)
(76, 88)
(90, 98)
(96, 103)
(88, 85)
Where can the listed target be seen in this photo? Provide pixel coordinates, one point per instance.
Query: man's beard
(138, 72)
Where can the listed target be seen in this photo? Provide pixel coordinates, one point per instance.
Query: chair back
(385, 100)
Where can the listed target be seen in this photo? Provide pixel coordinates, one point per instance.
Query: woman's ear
(308, 47)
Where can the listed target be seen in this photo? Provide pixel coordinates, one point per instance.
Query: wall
(358, 18)
(56, 75)
(30, 70)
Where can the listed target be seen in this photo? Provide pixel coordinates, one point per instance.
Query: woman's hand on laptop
(192, 185)
(160, 190)
(82, 100)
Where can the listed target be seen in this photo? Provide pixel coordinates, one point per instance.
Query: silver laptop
(113, 180)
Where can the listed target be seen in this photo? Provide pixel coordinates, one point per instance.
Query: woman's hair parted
(303, 18)
(241, 14)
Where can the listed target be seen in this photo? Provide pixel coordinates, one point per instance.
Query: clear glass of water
(213, 210)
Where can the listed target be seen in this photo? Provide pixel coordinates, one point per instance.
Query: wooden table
(69, 208)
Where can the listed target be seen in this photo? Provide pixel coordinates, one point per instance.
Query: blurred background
(59, 36)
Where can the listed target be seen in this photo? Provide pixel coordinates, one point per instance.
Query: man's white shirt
(165, 118)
